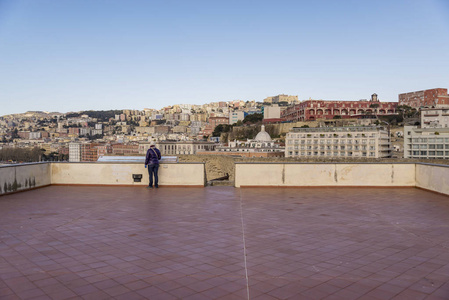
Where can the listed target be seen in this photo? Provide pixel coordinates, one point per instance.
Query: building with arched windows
(312, 110)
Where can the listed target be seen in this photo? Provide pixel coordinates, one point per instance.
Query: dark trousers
(152, 170)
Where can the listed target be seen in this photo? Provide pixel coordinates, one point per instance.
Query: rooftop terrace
(115, 242)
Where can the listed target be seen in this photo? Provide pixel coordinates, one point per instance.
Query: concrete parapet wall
(325, 174)
(16, 178)
(179, 174)
(433, 177)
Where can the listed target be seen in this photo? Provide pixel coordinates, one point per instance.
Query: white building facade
(271, 112)
(328, 142)
(74, 152)
(236, 116)
(426, 142)
(435, 117)
(178, 147)
(432, 139)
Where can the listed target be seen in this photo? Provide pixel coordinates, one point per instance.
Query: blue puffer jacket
(153, 156)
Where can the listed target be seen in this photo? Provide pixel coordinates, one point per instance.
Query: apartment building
(236, 116)
(74, 152)
(432, 139)
(426, 142)
(435, 117)
(370, 141)
(89, 152)
(272, 112)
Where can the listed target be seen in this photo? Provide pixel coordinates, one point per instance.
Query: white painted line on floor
(244, 244)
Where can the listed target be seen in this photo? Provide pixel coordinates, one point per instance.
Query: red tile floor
(224, 243)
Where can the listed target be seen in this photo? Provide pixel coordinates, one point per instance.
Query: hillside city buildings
(188, 129)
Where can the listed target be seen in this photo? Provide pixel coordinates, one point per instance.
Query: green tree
(253, 118)
(221, 128)
(407, 111)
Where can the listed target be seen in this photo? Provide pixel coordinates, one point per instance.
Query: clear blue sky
(73, 55)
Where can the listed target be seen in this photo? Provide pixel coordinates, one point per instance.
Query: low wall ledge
(433, 165)
(24, 164)
(327, 163)
(126, 163)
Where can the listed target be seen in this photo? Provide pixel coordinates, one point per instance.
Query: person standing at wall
(152, 161)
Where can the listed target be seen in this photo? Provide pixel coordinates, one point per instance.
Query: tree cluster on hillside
(392, 119)
(407, 111)
(242, 133)
(221, 128)
(55, 156)
(101, 115)
(253, 119)
(21, 154)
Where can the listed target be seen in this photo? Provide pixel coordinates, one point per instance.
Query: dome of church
(263, 136)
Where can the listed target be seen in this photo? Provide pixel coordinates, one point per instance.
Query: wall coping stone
(331, 163)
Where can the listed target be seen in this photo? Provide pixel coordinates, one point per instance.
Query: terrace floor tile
(96, 242)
